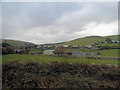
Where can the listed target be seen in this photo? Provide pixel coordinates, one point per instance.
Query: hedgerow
(59, 75)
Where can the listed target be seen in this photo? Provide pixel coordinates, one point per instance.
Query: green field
(32, 51)
(16, 42)
(85, 41)
(108, 52)
(49, 59)
(91, 40)
(111, 52)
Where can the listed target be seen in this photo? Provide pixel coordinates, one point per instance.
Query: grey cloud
(53, 22)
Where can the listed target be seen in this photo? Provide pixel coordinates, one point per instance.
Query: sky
(52, 22)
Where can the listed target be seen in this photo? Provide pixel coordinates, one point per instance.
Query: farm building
(38, 47)
(74, 46)
(56, 46)
(36, 53)
(91, 53)
(65, 45)
(49, 52)
(17, 50)
(50, 46)
(45, 46)
(77, 53)
(115, 41)
(80, 45)
(88, 46)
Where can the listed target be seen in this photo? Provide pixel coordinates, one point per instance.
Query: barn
(49, 52)
(77, 53)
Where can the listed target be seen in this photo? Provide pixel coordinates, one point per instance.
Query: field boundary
(105, 57)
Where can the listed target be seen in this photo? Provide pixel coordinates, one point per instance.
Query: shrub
(59, 75)
(4, 51)
(10, 50)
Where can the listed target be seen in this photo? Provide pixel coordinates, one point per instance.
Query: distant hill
(113, 37)
(80, 41)
(90, 40)
(16, 42)
(93, 37)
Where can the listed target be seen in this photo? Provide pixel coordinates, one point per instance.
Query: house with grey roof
(74, 46)
(88, 46)
(78, 53)
(49, 52)
(65, 45)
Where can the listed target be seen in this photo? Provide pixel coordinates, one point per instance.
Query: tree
(0, 50)
(10, 49)
(16, 52)
(27, 51)
(5, 44)
(22, 51)
(105, 47)
(4, 51)
(108, 40)
(60, 51)
(98, 52)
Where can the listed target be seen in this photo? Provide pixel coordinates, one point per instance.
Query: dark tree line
(108, 40)
(7, 49)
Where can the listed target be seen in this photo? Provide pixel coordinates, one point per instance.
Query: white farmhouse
(88, 46)
(65, 45)
(49, 52)
(38, 47)
(80, 45)
(115, 41)
(75, 46)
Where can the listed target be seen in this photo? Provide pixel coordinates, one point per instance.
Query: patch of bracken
(59, 75)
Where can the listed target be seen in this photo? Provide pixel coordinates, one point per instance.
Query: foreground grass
(34, 75)
(48, 59)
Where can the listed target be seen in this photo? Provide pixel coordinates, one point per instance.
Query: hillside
(16, 42)
(80, 41)
(90, 40)
(113, 37)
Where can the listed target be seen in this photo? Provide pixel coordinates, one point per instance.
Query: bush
(5, 45)
(4, 51)
(10, 50)
(59, 75)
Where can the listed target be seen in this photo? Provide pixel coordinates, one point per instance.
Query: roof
(49, 50)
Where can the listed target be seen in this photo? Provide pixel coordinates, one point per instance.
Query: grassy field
(113, 37)
(91, 40)
(16, 42)
(32, 51)
(48, 59)
(85, 41)
(82, 50)
(111, 52)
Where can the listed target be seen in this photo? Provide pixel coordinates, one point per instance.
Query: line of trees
(108, 47)
(61, 51)
(7, 49)
(108, 40)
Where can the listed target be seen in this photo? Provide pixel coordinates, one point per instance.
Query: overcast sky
(57, 22)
